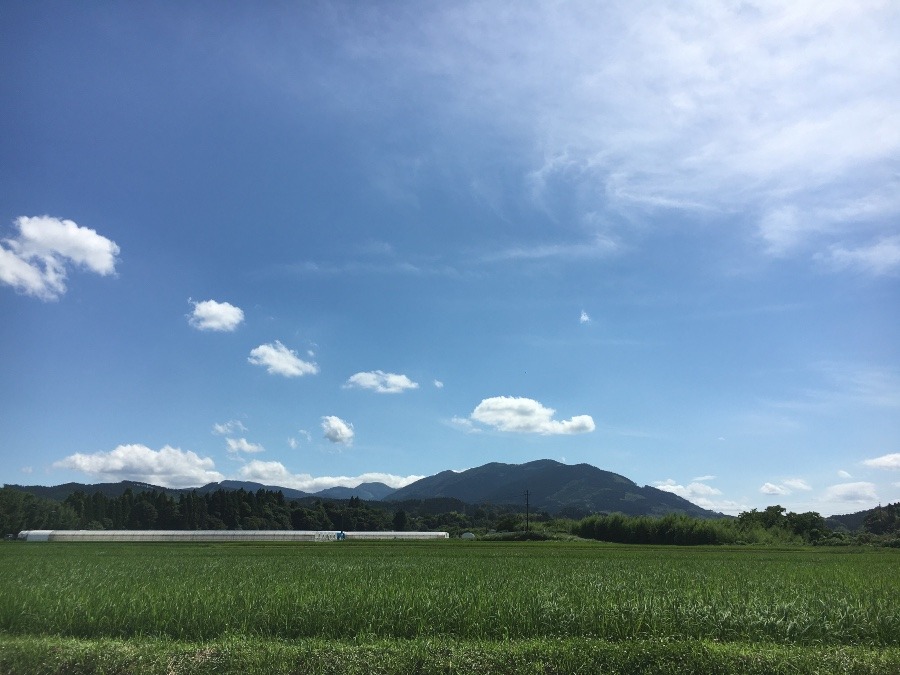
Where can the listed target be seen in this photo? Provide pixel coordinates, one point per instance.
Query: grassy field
(450, 607)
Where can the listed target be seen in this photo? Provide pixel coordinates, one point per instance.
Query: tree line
(773, 525)
(270, 510)
(239, 510)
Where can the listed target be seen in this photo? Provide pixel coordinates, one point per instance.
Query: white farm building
(221, 535)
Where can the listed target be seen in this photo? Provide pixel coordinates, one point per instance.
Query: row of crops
(551, 593)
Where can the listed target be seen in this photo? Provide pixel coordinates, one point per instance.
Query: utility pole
(527, 524)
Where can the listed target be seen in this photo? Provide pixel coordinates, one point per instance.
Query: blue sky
(317, 243)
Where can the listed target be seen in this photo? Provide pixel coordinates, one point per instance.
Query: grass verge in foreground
(46, 655)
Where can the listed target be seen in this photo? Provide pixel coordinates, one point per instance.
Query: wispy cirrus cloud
(778, 117)
(878, 258)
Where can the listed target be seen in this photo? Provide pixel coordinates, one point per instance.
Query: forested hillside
(270, 510)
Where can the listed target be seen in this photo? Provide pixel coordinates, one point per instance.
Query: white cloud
(584, 318)
(337, 430)
(701, 494)
(774, 110)
(851, 492)
(228, 428)
(786, 487)
(463, 424)
(168, 467)
(891, 461)
(217, 316)
(381, 382)
(525, 415)
(701, 479)
(279, 360)
(771, 489)
(796, 484)
(292, 443)
(27, 469)
(275, 473)
(881, 257)
(844, 474)
(237, 445)
(438, 384)
(35, 262)
(599, 246)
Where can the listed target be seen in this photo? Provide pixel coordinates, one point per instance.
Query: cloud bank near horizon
(175, 468)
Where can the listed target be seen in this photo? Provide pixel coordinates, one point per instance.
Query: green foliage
(884, 520)
(22, 511)
(477, 607)
(772, 526)
(466, 591)
(672, 529)
(361, 656)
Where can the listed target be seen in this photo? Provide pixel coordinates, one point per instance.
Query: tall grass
(471, 591)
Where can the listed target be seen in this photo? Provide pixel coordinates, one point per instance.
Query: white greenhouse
(221, 535)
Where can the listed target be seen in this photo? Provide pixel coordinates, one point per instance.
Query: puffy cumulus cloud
(584, 318)
(891, 461)
(381, 382)
(772, 489)
(701, 494)
(279, 360)
(275, 473)
(525, 415)
(35, 262)
(857, 493)
(238, 445)
(228, 428)
(337, 430)
(217, 316)
(690, 491)
(168, 467)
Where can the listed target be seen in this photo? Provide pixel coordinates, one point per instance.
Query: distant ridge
(368, 492)
(559, 489)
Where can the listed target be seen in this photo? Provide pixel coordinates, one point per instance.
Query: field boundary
(146, 656)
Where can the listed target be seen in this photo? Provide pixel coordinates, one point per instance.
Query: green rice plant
(451, 590)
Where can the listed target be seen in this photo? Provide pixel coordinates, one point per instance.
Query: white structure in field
(221, 535)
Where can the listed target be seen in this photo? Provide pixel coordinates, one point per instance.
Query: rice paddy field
(446, 607)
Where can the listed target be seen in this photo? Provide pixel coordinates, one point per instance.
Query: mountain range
(552, 487)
